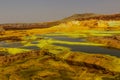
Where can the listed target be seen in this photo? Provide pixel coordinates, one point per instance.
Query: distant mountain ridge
(78, 17)
(102, 17)
(88, 16)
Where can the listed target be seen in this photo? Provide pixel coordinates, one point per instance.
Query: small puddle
(10, 44)
(31, 47)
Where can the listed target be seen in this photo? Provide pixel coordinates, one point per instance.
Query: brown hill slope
(102, 17)
(23, 26)
(79, 17)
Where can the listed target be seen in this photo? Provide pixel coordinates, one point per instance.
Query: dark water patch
(34, 42)
(2, 42)
(10, 44)
(84, 48)
(92, 49)
(64, 38)
(31, 47)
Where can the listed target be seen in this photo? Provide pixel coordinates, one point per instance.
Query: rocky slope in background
(88, 28)
(78, 17)
(102, 17)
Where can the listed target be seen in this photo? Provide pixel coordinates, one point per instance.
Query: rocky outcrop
(2, 30)
(8, 59)
(66, 66)
(112, 41)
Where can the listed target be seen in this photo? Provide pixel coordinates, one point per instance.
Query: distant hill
(79, 17)
(101, 17)
(24, 26)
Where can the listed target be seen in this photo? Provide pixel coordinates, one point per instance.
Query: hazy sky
(49, 10)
